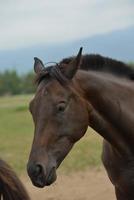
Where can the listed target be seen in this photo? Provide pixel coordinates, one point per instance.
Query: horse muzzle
(40, 176)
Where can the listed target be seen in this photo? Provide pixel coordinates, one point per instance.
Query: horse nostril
(38, 169)
(35, 170)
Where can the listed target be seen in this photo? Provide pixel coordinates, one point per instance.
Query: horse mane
(11, 187)
(94, 62)
(100, 63)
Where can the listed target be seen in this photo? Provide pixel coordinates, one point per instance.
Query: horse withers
(70, 97)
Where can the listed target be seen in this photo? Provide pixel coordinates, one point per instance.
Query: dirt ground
(89, 185)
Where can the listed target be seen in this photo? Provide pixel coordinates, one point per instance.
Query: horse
(82, 91)
(11, 187)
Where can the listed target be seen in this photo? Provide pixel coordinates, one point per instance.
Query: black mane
(92, 62)
(97, 62)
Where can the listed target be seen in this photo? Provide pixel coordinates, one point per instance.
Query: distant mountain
(118, 44)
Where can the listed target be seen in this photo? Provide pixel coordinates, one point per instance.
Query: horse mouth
(42, 181)
(38, 181)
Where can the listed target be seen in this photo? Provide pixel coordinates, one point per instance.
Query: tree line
(12, 83)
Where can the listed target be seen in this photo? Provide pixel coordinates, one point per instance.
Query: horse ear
(38, 65)
(71, 68)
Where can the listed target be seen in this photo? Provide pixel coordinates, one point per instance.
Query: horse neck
(102, 93)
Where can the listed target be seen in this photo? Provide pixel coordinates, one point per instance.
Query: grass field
(16, 133)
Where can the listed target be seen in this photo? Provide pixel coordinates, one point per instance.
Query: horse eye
(61, 107)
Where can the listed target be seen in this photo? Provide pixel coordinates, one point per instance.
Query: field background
(16, 134)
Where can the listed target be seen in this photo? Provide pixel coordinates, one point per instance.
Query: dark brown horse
(72, 95)
(11, 187)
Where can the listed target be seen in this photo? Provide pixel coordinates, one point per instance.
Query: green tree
(27, 83)
(9, 82)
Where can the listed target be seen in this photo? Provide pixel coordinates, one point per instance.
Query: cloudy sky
(31, 22)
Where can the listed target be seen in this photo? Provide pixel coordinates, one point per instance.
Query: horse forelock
(51, 72)
(43, 74)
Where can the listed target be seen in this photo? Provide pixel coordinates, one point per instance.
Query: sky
(33, 22)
